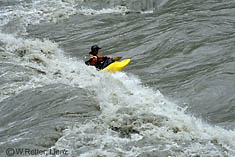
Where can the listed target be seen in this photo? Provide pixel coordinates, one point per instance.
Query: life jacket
(96, 61)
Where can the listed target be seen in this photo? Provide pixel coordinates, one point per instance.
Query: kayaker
(100, 62)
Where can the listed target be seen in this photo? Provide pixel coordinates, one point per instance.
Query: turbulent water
(176, 98)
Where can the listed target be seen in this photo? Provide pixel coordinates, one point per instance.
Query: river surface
(175, 98)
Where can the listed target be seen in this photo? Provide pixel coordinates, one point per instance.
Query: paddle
(117, 58)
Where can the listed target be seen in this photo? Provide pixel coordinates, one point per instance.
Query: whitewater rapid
(106, 114)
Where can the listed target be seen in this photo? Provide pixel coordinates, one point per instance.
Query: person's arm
(91, 61)
(88, 62)
(102, 58)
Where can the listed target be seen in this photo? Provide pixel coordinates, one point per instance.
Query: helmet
(94, 47)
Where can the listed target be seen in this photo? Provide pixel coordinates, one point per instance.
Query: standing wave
(134, 120)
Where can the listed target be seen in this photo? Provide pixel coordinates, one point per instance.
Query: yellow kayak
(117, 66)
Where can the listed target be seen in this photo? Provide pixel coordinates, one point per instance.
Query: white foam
(147, 12)
(50, 11)
(115, 10)
(37, 11)
(126, 105)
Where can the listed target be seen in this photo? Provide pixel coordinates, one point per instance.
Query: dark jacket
(96, 61)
